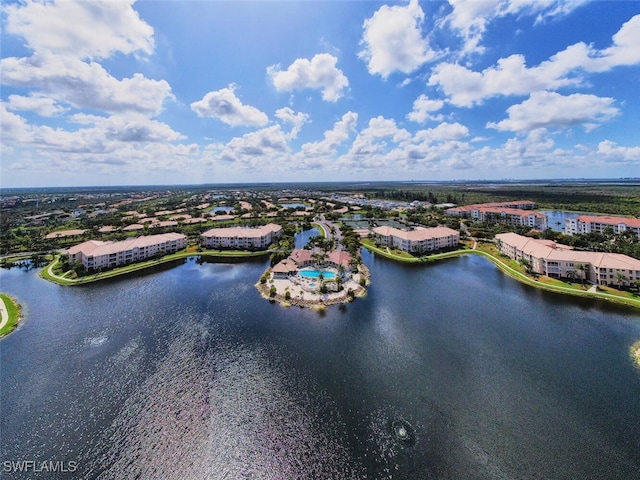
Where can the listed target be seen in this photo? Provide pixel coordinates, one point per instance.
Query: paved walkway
(3, 314)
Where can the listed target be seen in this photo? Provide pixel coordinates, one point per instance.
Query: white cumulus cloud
(226, 106)
(511, 76)
(423, 108)
(319, 73)
(550, 109)
(287, 115)
(613, 151)
(441, 133)
(470, 18)
(83, 29)
(393, 40)
(43, 106)
(333, 138)
(85, 85)
(67, 37)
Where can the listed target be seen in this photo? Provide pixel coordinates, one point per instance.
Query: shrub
(273, 291)
(287, 295)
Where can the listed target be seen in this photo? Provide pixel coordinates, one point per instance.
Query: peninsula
(10, 314)
(314, 278)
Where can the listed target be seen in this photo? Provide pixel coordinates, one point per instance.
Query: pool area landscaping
(314, 273)
(314, 279)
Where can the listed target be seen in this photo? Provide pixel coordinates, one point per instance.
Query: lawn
(517, 271)
(13, 309)
(49, 272)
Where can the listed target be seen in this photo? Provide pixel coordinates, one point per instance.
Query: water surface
(187, 373)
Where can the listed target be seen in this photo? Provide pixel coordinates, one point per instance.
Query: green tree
(583, 271)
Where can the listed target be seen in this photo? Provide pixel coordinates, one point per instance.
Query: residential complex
(599, 224)
(466, 210)
(300, 258)
(516, 213)
(98, 255)
(547, 257)
(242, 237)
(418, 240)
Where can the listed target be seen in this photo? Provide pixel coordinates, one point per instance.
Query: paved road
(328, 226)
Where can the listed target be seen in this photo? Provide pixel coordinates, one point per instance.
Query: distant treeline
(612, 199)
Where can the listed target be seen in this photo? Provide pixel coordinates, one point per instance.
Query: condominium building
(418, 240)
(467, 210)
(242, 237)
(517, 213)
(600, 224)
(547, 257)
(98, 255)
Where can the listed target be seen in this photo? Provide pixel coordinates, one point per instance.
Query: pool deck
(329, 274)
(305, 297)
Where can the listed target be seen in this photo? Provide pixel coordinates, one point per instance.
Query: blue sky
(164, 92)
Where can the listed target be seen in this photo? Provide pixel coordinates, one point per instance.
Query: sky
(119, 92)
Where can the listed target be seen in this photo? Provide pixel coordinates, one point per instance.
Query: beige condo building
(547, 257)
(420, 239)
(242, 237)
(98, 255)
(600, 224)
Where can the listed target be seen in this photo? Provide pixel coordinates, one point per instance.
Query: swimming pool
(314, 273)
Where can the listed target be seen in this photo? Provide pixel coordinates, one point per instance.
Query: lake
(222, 208)
(556, 218)
(185, 372)
(293, 205)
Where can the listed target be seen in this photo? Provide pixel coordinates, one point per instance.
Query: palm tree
(583, 271)
(620, 278)
(526, 264)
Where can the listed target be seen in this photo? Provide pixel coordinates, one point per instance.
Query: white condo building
(99, 255)
(242, 237)
(547, 257)
(508, 213)
(599, 224)
(420, 239)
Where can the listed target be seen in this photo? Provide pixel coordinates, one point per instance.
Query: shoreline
(316, 301)
(629, 302)
(10, 314)
(47, 273)
(634, 351)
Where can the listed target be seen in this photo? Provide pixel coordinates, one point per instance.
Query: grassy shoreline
(48, 274)
(544, 283)
(14, 311)
(506, 265)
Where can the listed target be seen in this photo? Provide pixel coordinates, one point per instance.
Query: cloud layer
(406, 90)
